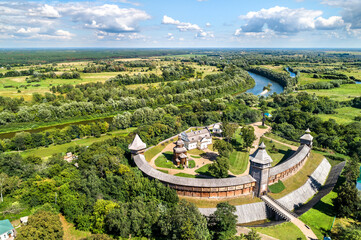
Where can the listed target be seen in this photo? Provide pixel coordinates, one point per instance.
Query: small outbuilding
(7, 230)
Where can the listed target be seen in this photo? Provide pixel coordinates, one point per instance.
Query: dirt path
(288, 145)
(258, 132)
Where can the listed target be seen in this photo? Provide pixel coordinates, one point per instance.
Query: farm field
(343, 115)
(343, 93)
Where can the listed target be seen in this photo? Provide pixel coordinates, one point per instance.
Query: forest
(158, 93)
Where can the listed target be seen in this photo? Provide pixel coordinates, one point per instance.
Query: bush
(277, 187)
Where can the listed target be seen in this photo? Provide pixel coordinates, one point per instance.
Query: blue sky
(181, 23)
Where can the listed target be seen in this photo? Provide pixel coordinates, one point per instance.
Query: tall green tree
(248, 136)
(43, 225)
(222, 223)
(219, 168)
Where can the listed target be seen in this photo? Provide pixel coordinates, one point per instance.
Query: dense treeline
(109, 97)
(27, 57)
(154, 124)
(325, 85)
(102, 192)
(291, 120)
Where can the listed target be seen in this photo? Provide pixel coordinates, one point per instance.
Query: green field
(45, 152)
(280, 139)
(204, 169)
(277, 187)
(152, 152)
(321, 216)
(343, 93)
(284, 231)
(238, 162)
(191, 164)
(185, 175)
(165, 161)
(343, 116)
(279, 153)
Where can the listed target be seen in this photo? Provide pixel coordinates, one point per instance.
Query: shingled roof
(307, 136)
(261, 156)
(137, 144)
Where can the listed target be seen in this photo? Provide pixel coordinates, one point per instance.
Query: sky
(181, 24)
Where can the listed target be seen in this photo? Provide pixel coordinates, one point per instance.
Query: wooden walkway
(289, 216)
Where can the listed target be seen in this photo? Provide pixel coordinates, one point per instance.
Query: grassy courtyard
(165, 161)
(238, 161)
(278, 152)
(284, 231)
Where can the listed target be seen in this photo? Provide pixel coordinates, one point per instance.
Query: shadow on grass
(168, 156)
(286, 155)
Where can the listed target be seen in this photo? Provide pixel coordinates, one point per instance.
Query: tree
(229, 129)
(219, 168)
(122, 121)
(252, 235)
(43, 225)
(224, 148)
(183, 221)
(248, 136)
(222, 223)
(346, 201)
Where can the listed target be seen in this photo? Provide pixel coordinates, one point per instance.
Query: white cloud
(30, 20)
(170, 36)
(186, 26)
(208, 24)
(101, 35)
(285, 20)
(182, 26)
(108, 18)
(46, 11)
(330, 23)
(351, 11)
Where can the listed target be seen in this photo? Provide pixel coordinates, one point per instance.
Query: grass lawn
(262, 127)
(277, 187)
(344, 115)
(45, 152)
(281, 139)
(193, 156)
(165, 161)
(284, 231)
(70, 233)
(344, 93)
(281, 152)
(204, 169)
(191, 163)
(238, 162)
(321, 216)
(196, 151)
(152, 152)
(163, 171)
(297, 180)
(185, 175)
(212, 203)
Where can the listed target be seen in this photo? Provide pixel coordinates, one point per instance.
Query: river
(292, 74)
(261, 82)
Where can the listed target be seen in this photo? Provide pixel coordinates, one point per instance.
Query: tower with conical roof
(180, 153)
(307, 138)
(259, 169)
(137, 146)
